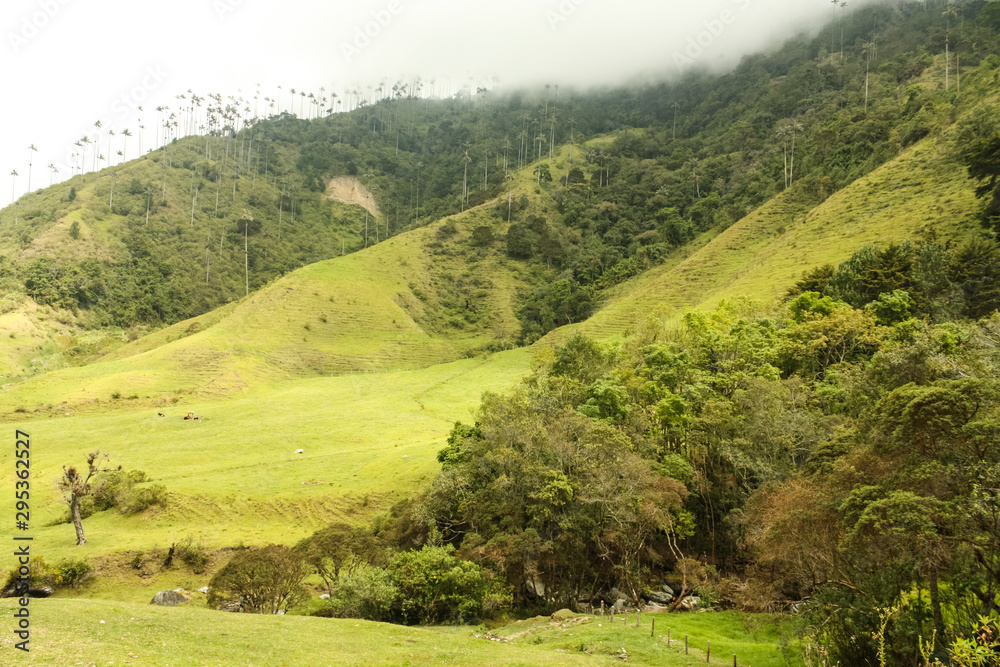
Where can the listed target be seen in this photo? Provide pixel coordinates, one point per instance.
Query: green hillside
(361, 338)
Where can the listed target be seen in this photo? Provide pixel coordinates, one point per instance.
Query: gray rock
(203, 589)
(169, 598)
(658, 597)
(324, 596)
(668, 590)
(653, 608)
(40, 592)
(300, 451)
(535, 587)
(620, 604)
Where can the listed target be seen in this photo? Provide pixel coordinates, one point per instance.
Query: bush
(435, 586)
(71, 573)
(369, 592)
(191, 554)
(264, 580)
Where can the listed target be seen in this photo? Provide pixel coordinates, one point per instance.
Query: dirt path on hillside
(349, 190)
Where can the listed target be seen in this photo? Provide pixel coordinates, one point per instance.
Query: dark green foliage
(815, 280)
(263, 580)
(338, 549)
(975, 270)
(425, 586)
(74, 230)
(549, 306)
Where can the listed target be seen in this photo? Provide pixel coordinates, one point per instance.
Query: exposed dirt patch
(349, 190)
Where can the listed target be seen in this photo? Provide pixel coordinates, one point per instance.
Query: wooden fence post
(685, 644)
(708, 651)
(638, 612)
(668, 636)
(652, 630)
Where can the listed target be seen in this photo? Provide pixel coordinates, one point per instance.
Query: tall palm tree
(31, 149)
(13, 184)
(52, 176)
(125, 133)
(97, 141)
(465, 183)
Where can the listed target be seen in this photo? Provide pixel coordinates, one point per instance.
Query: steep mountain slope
(922, 193)
(409, 302)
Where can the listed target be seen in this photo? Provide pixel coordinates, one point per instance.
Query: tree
(31, 149)
(337, 549)
(263, 581)
(75, 486)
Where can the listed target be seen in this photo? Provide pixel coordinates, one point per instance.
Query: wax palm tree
(52, 176)
(126, 133)
(97, 141)
(465, 183)
(13, 184)
(31, 149)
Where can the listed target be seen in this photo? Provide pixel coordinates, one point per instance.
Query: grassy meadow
(111, 632)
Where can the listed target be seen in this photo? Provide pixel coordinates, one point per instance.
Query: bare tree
(75, 486)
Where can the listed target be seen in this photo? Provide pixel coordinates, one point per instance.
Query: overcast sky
(68, 63)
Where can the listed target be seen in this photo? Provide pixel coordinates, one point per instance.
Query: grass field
(369, 439)
(105, 632)
(359, 361)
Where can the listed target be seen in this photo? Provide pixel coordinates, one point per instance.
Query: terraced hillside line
(349, 190)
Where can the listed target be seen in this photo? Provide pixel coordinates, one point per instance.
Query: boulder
(40, 592)
(689, 603)
(653, 608)
(668, 590)
(535, 587)
(658, 597)
(324, 596)
(169, 598)
(203, 589)
(620, 605)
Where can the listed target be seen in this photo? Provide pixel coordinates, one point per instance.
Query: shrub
(72, 573)
(193, 555)
(263, 580)
(369, 592)
(435, 586)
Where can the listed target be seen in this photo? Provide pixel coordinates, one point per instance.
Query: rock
(658, 597)
(535, 587)
(668, 590)
(689, 603)
(300, 451)
(203, 589)
(233, 606)
(324, 596)
(620, 605)
(653, 608)
(40, 592)
(169, 598)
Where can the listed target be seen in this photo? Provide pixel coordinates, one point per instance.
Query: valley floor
(90, 632)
